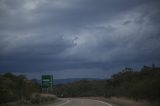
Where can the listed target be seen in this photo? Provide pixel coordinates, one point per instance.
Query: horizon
(38, 77)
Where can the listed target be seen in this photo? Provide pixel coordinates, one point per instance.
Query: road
(80, 102)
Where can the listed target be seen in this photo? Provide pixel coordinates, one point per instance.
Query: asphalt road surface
(80, 102)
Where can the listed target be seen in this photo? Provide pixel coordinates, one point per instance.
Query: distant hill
(66, 81)
(70, 80)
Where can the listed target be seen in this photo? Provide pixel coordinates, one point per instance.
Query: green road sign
(47, 81)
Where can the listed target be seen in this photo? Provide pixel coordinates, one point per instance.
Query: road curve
(81, 102)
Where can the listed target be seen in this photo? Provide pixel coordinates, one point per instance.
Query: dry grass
(128, 102)
(47, 95)
(121, 101)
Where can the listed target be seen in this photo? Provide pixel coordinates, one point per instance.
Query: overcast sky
(78, 38)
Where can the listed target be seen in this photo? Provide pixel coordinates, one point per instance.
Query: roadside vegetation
(126, 87)
(16, 90)
(137, 85)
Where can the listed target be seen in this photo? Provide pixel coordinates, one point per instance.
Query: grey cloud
(55, 35)
(77, 14)
(121, 42)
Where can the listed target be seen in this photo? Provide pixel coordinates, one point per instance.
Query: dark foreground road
(80, 102)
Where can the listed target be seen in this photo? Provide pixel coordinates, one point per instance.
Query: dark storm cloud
(66, 36)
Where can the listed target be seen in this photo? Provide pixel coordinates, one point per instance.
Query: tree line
(138, 85)
(83, 88)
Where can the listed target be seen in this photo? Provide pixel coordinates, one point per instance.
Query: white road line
(64, 103)
(104, 103)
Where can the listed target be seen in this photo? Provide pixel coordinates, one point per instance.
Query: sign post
(47, 82)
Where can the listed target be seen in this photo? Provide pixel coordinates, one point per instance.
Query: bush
(14, 88)
(42, 99)
(144, 84)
